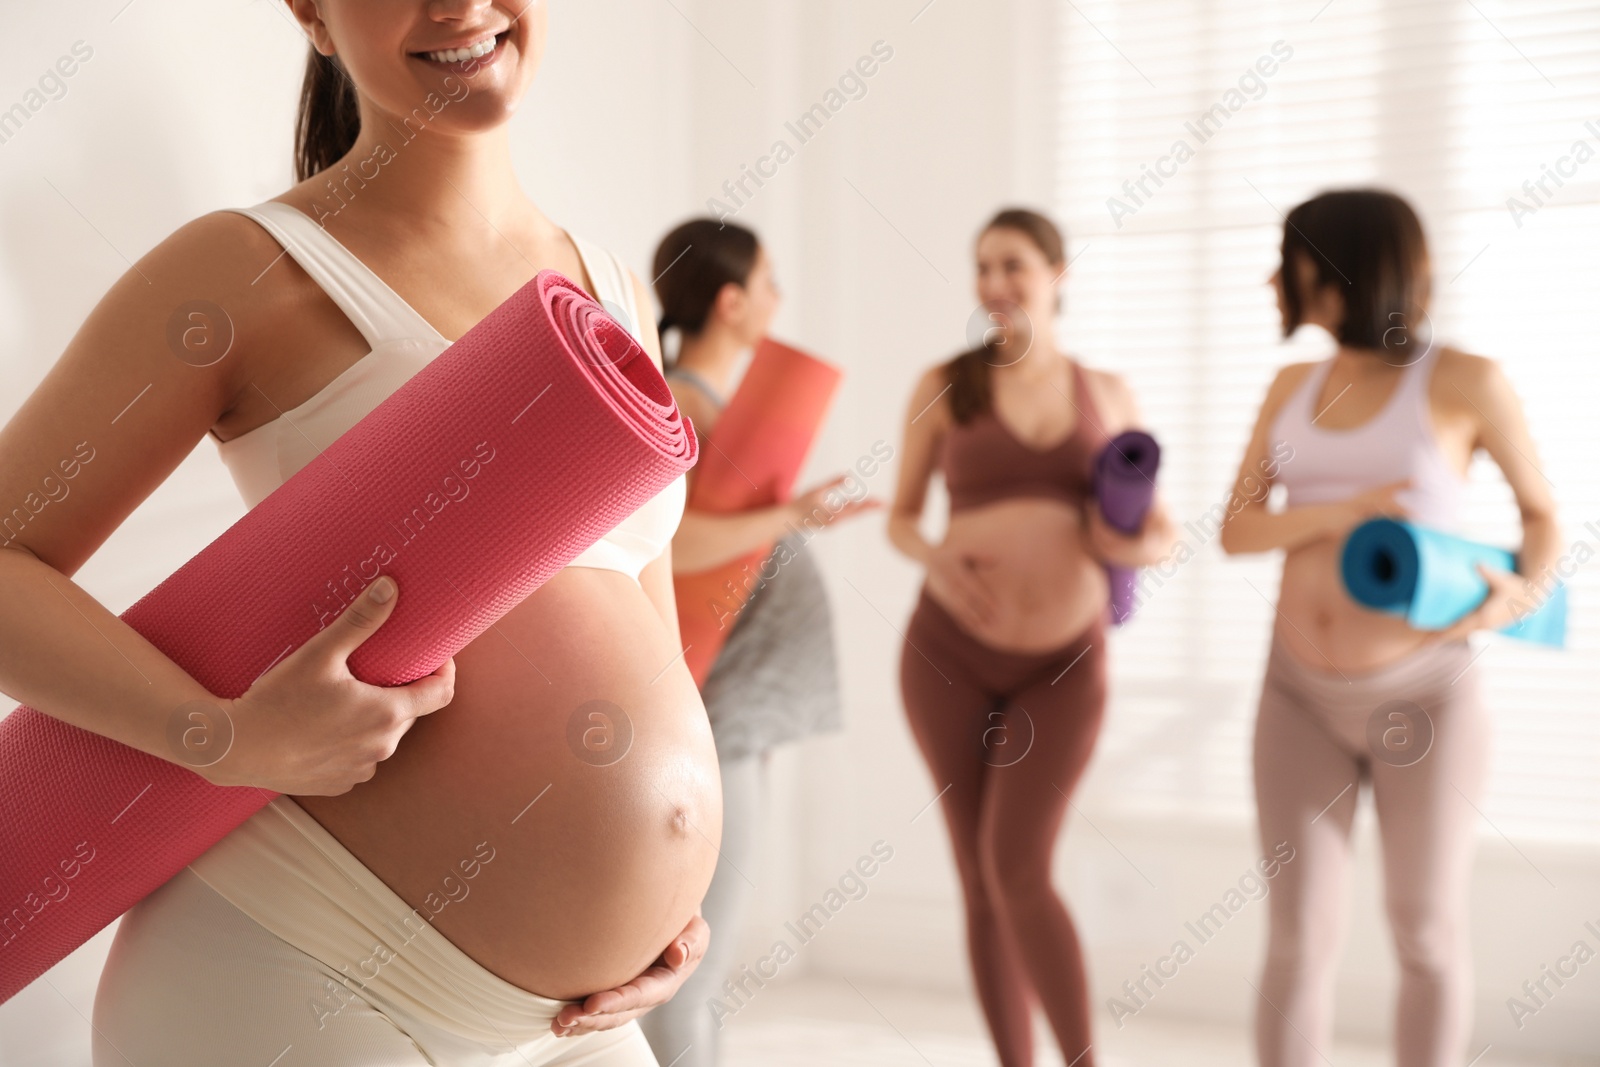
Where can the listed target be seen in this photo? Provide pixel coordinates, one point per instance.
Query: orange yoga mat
(751, 458)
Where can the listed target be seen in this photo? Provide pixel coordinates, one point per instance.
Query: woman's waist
(1031, 554)
(1414, 673)
(298, 881)
(1321, 629)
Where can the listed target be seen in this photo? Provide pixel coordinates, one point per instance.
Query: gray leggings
(1317, 734)
(683, 1032)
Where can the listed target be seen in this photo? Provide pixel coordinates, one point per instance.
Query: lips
(469, 54)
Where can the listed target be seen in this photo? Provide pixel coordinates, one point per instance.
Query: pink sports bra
(1324, 465)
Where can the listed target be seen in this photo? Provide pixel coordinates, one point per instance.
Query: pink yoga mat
(514, 450)
(756, 450)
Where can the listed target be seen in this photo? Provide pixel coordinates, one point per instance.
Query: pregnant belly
(1323, 628)
(578, 751)
(1035, 562)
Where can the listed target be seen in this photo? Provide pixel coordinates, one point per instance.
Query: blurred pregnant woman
(1003, 671)
(775, 680)
(452, 899)
(1386, 425)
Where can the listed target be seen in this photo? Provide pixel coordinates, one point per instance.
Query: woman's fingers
(615, 1007)
(356, 623)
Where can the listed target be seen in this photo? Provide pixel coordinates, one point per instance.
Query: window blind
(1485, 115)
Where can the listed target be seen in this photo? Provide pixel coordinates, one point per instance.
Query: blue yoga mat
(1431, 579)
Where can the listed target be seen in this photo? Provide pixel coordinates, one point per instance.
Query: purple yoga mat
(1124, 484)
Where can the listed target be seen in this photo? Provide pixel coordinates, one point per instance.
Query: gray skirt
(776, 679)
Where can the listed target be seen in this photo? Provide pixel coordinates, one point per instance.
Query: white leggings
(193, 980)
(1417, 730)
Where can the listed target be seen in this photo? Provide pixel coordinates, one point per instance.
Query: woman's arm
(925, 420)
(707, 539)
(1248, 525)
(125, 409)
(110, 421)
(1502, 431)
(1157, 536)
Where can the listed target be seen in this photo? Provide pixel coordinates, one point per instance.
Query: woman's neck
(1040, 362)
(711, 354)
(426, 179)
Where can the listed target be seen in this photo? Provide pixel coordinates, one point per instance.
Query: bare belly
(1048, 587)
(601, 844)
(1323, 628)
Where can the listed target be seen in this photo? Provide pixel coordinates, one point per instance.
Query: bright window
(1455, 105)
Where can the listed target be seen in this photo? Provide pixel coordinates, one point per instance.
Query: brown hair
(329, 116)
(968, 373)
(693, 263)
(1370, 243)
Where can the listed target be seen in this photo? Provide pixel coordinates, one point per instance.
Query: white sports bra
(402, 343)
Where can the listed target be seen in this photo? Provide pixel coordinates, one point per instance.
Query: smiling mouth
(478, 51)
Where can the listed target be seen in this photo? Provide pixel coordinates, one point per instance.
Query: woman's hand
(1510, 599)
(953, 580)
(308, 727)
(814, 507)
(656, 986)
(1378, 502)
(1111, 546)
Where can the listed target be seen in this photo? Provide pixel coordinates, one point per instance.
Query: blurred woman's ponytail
(693, 263)
(330, 116)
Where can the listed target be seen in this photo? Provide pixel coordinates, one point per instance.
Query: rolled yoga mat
(520, 445)
(1431, 579)
(752, 457)
(1125, 484)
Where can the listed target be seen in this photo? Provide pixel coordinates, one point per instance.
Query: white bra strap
(611, 283)
(371, 306)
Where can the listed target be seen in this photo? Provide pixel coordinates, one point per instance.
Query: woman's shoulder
(1468, 382)
(1466, 368)
(214, 247)
(215, 265)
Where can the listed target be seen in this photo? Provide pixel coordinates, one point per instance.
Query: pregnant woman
(1003, 671)
(1385, 426)
(775, 679)
(458, 898)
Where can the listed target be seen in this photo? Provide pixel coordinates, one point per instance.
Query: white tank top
(1321, 465)
(402, 342)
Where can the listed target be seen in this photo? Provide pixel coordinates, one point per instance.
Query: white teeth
(459, 55)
